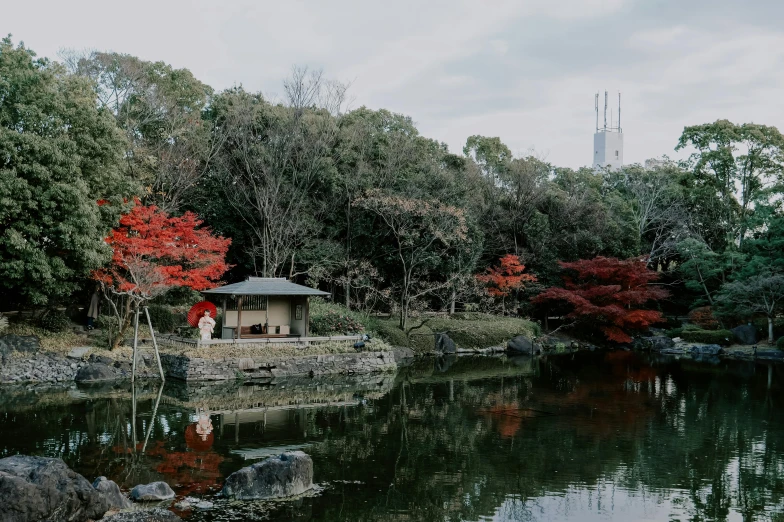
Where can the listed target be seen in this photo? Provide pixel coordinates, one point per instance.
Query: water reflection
(579, 437)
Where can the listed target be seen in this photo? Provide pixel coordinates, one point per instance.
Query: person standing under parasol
(206, 326)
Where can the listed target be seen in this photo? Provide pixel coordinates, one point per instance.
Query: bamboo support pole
(155, 345)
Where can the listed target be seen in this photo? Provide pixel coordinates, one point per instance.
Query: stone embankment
(23, 361)
(232, 368)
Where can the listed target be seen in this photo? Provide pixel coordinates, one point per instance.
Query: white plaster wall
(605, 144)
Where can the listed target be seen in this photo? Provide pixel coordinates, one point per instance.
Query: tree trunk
(124, 324)
(452, 302)
(770, 330)
(347, 292)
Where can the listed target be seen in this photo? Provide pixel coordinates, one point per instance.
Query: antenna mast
(619, 112)
(605, 110)
(596, 107)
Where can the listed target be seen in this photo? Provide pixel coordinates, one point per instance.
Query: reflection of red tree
(197, 441)
(191, 471)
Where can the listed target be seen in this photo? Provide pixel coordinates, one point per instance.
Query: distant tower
(608, 141)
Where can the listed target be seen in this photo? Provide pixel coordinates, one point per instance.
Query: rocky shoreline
(41, 488)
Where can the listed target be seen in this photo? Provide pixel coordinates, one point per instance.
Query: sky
(526, 70)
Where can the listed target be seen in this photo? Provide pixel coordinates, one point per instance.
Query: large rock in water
(706, 349)
(143, 515)
(445, 344)
(111, 491)
(39, 488)
(95, 372)
(155, 491)
(657, 343)
(524, 345)
(745, 334)
(284, 476)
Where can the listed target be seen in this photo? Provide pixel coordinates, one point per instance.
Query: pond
(582, 437)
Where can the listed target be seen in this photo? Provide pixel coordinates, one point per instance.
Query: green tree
(160, 109)
(59, 156)
(741, 162)
(761, 294)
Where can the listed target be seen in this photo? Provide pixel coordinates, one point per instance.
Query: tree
(170, 145)
(506, 278)
(153, 252)
(741, 162)
(609, 292)
(422, 232)
(269, 161)
(59, 154)
(657, 206)
(759, 294)
(704, 270)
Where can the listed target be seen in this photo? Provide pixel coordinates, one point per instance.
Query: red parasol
(197, 311)
(196, 441)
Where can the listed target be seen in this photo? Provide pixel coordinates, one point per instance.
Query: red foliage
(509, 276)
(609, 292)
(704, 318)
(153, 251)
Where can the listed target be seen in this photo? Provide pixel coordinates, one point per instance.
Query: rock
(522, 344)
(152, 492)
(95, 371)
(402, 353)
(111, 491)
(745, 334)
(676, 339)
(658, 343)
(143, 515)
(444, 344)
(770, 353)
(286, 475)
(706, 349)
(19, 343)
(183, 505)
(39, 488)
(203, 505)
(78, 352)
(671, 351)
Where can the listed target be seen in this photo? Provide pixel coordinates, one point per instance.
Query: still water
(581, 437)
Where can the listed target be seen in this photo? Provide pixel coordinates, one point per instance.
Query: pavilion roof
(264, 286)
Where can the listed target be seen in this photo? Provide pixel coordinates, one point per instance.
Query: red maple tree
(505, 278)
(153, 252)
(609, 292)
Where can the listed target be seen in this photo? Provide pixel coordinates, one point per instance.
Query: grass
(60, 342)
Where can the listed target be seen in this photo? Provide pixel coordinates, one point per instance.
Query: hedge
(720, 337)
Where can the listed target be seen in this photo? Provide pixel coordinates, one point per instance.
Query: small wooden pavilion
(263, 307)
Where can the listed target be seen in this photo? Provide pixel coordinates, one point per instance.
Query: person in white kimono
(206, 326)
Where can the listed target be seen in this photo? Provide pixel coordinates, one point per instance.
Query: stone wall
(231, 368)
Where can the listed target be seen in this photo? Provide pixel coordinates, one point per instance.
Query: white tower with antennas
(608, 140)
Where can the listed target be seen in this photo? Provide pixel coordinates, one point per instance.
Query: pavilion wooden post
(223, 321)
(155, 344)
(239, 317)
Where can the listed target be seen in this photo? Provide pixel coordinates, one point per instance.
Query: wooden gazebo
(263, 307)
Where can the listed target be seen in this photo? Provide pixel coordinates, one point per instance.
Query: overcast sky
(523, 70)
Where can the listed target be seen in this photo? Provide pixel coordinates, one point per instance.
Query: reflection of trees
(703, 436)
(440, 445)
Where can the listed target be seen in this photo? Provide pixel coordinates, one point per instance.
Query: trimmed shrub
(704, 318)
(332, 322)
(780, 343)
(54, 320)
(162, 318)
(720, 337)
(331, 318)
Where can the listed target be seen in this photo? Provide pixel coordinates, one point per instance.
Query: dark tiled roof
(265, 286)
